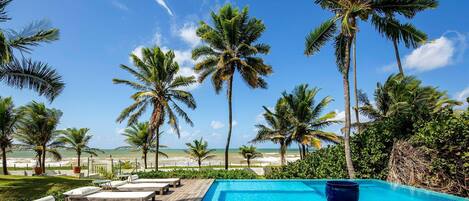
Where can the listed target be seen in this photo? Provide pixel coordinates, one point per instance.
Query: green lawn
(28, 188)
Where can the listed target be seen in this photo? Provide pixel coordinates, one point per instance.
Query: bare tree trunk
(4, 161)
(398, 58)
(355, 85)
(230, 119)
(345, 74)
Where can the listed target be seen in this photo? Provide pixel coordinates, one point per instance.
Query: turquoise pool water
(314, 190)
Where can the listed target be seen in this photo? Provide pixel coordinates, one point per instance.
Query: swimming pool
(313, 190)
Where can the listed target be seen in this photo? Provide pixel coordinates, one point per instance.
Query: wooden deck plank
(190, 190)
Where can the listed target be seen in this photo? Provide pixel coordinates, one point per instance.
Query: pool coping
(423, 190)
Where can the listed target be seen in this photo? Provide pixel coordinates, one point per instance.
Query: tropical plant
(37, 129)
(139, 138)
(346, 13)
(198, 151)
(8, 122)
(306, 118)
(230, 47)
(276, 128)
(25, 73)
(249, 153)
(77, 140)
(159, 86)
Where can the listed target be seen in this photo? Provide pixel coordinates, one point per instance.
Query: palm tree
(306, 118)
(159, 86)
(37, 129)
(198, 151)
(276, 129)
(25, 73)
(8, 122)
(77, 140)
(230, 47)
(346, 13)
(140, 139)
(249, 153)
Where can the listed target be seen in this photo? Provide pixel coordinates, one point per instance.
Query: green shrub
(323, 163)
(200, 174)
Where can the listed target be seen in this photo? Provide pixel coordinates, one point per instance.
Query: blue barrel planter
(341, 191)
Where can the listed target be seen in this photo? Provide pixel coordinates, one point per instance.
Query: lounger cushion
(48, 198)
(132, 178)
(82, 191)
(114, 184)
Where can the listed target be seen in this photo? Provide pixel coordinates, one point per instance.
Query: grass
(30, 188)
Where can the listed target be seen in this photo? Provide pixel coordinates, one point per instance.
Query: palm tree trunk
(199, 162)
(303, 148)
(355, 85)
(345, 74)
(4, 161)
(43, 158)
(78, 159)
(282, 153)
(230, 119)
(398, 58)
(145, 159)
(249, 162)
(300, 151)
(157, 146)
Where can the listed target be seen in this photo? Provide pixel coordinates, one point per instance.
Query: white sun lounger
(48, 198)
(140, 187)
(173, 181)
(121, 196)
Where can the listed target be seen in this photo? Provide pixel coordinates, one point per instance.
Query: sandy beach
(176, 157)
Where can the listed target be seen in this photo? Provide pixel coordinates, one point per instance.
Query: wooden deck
(190, 190)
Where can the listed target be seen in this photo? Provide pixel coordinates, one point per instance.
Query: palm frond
(318, 37)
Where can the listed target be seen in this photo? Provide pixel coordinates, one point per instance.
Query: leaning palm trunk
(4, 161)
(230, 119)
(345, 74)
(398, 58)
(355, 85)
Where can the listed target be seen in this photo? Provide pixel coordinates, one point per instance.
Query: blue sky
(97, 36)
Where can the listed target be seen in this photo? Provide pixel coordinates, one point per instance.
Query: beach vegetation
(9, 117)
(198, 151)
(249, 152)
(77, 139)
(203, 173)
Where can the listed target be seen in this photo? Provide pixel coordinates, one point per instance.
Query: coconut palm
(249, 153)
(77, 140)
(158, 86)
(346, 14)
(306, 119)
(23, 72)
(8, 122)
(230, 47)
(198, 151)
(37, 129)
(276, 128)
(140, 139)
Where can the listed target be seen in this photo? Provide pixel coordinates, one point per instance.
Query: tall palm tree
(306, 119)
(8, 122)
(140, 139)
(37, 129)
(346, 14)
(230, 47)
(158, 86)
(77, 140)
(249, 153)
(23, 72)
(198, 151)
(276, 128)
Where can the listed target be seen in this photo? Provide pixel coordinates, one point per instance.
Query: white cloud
(187, 71)
(216, 124)
(183, 57)
(234, 123)
(462, 95)
(157, 39)
(120, 5)
(165, 6)
(438, 53)
(188, 34)
(137, 51)
(340, 115)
